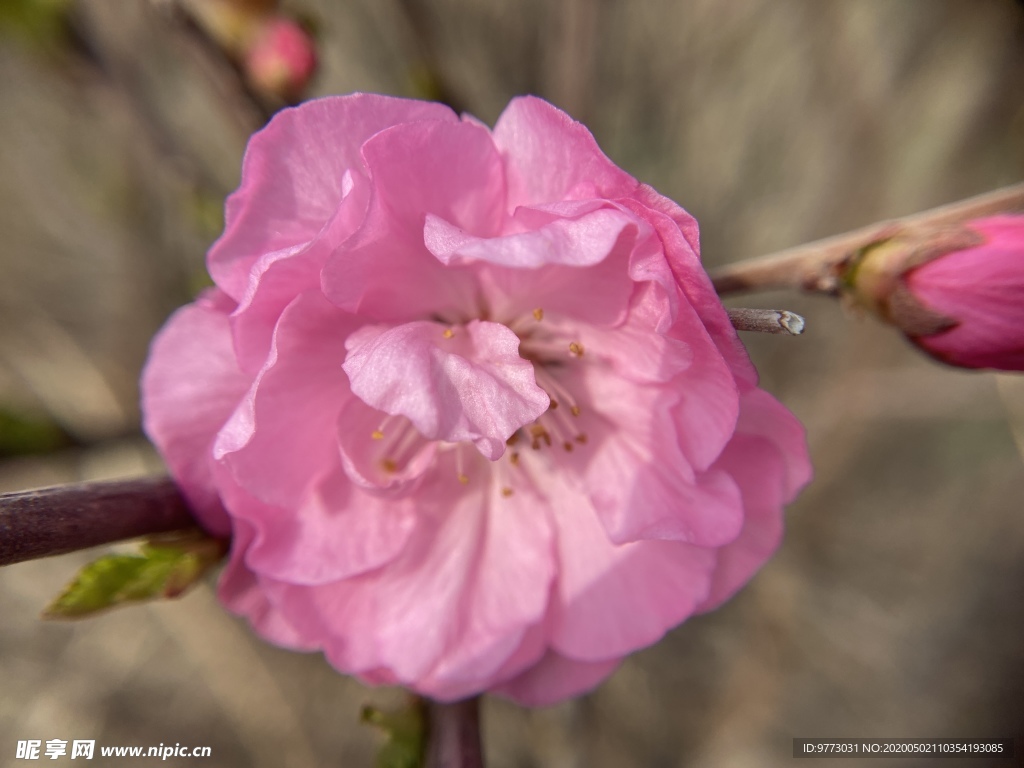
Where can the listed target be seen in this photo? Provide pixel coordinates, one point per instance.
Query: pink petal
(677, 232)
(471, 386)
(614, 599)
(190, 385)
(641, 484)
(549, 157)
(556, 678)
(282, 436)
(291, 186)
(451, 608)
(768, 460)
(242, 593)
(279, 276)
(577, 242)
(334, 531)
(449, 171)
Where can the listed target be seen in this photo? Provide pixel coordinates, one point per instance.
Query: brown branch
(453, 735)
(767, 321)
(53, 521)
(815, 266)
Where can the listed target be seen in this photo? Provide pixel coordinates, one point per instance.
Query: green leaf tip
(165, 568)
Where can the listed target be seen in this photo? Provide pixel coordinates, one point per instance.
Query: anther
(377, 434)
(506, 491)
(568, 446)
(448, 333)
(581, 438)
(513, 458)
(463, 479)
(538, 314)
(389, 465)
(575, 410)
(513, 439)
(554, 404)
(575, 349)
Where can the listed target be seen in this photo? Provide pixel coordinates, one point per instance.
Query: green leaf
(405, 730)
(165, 568)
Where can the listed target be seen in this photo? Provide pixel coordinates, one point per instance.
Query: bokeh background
(895, 607)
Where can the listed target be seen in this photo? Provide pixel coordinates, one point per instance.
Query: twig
(453, 736)
(53, 521)
(767, 321)
(815, 266)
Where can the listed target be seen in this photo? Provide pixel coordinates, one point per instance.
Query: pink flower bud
(957, 293)
(281, 59)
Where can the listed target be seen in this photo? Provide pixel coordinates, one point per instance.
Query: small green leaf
(165, 568)
(405, 730)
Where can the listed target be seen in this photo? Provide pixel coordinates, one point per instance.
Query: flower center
(550, 351)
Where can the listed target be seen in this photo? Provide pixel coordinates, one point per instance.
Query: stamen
(568, 446)
(538, 433)
(575, 349)
(538, 314)
(377, 434)
(513, 458)
(513, 439)
(463, 477)
(506, 491)
(389, 466)
(554, 403)
(554, 388)
(448, 333)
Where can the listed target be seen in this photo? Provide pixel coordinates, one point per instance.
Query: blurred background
(895, 607)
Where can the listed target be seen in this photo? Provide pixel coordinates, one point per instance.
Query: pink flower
(466, 402)
(981, 291)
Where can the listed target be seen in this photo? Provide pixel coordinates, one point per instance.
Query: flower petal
(190, 385)
(291, 186)
(556, 678)
(549, 157)
(466, 384)
(282, 437)
(614, 599)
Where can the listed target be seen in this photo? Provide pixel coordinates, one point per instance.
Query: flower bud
(281, 59)
(956, 292)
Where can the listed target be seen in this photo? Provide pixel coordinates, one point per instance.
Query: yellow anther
(575, 349)
(448, 333)
(514, 458)
(377, 434)
(506, 491)
(575, 410)
(538, 314)
(463, 479)
(389, 465)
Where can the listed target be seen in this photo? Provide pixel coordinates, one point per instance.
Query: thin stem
(767, 321)
(815, 266)
(453, 735)
(53, 521)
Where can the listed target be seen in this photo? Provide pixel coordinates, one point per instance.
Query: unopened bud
(956, 292)
(281, 59)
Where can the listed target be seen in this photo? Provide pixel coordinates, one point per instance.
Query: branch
(53, 521)
(815, 266)
(453, 735)
(767, 321)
